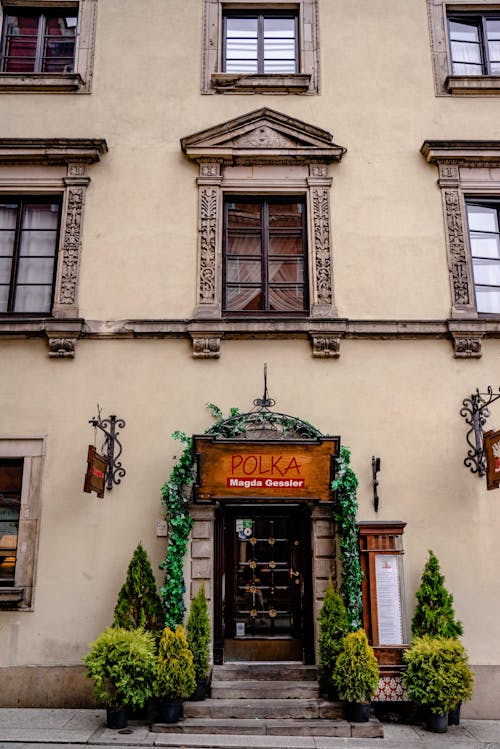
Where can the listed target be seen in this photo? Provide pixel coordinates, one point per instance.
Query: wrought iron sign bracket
(112, 447)
(375, 470)
(476, 410)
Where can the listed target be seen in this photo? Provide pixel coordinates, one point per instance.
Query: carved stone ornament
(325, 346)
(206, 346)
(62, 348)
(467, 346)
(71, 247)
(264, 137)
(208, 234)
(322, 249)
(457, 250)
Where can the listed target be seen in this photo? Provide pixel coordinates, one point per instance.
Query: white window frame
(306, 81)
(20, 596)
(80, 80)
(445, 82)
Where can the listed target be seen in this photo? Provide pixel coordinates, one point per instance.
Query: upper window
(260, 47)
(260, 43)
(465, 41)
(47, 46)
(38, 41)
(265, 255)
(29, 230)
(484, 240)
(475, 45)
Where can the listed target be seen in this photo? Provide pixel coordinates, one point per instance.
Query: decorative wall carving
(208, 237)
(206, 346)
(264, 137)
(62, 347)
(456, 244)
(71, 247)
(467, 346)
(322, 250)
(325, 346)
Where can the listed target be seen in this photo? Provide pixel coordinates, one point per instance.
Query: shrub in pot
(175, 678)
(139, 604)
(434, 613)
(356, 675)
(198, 636)
(437, 677)
(122, 665)
(333, 627)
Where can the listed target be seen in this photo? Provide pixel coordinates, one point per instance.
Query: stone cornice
(51, 151)
(436, 151)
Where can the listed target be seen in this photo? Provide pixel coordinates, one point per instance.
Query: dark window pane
(241, 299)
(285, 245)
(287, 300)
(4, 298)
(243, 271)
(11, 473)
(286, 271)
(21, 40)
(240, 215)
(5, 269)
(285, 214)
(8, 216)
(243, 244)
(7, 242)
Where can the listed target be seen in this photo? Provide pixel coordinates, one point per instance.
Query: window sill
(272, 83)
(473, 85)
(11, 597)
(40, 83)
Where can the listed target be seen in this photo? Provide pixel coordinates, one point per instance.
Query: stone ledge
(473, 85)
(272, 83)
(40, 83)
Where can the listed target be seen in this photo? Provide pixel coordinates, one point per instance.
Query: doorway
(263, 582)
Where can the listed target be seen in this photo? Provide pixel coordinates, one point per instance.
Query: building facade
(191, 189)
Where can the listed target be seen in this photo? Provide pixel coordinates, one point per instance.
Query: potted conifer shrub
(175, 680)
(356, 676)
(139, 604)
(122, 665)
(198, 636)
(333, 627)
(437, 677)
(434, 613)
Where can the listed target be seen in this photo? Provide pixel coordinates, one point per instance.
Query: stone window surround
(80, 80)
(215, 81)
(466, 169)
(32, 450)
(65, 162)
(445, 83)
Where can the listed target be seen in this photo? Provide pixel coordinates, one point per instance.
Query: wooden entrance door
(266, 561)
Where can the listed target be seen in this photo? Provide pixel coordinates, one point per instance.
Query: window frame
(307, 78)
(78, 81)
(481, 201)
(263, 200)
(22, 200)
(261, 16)
(479, 21)
(20, 595)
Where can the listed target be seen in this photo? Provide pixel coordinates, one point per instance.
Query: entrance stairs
(265, 699)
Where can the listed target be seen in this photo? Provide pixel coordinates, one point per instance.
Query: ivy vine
(175, 499)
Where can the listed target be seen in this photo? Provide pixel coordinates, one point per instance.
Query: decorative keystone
(325, 346)
(467, 346)
(62, 348)
(206, 347)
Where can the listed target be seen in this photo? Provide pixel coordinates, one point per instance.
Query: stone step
(263, 709)
(256, 727)
(264, 690)
(254, 671)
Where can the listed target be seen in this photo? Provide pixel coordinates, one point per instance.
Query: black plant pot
(116, 718)
(200, 693)
(454, 716)
(357, 712)
(437, 723)
(169, 711)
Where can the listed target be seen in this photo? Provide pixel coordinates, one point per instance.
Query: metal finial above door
(265, 401)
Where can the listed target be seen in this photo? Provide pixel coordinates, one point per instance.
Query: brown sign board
(267, 469)
(95, 476)
(492, 454)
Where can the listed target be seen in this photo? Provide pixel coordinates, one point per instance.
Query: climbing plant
(175, 499)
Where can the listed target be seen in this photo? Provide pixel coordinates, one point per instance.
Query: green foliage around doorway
(175, 500)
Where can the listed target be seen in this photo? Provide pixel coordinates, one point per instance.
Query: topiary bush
(122, 665)
(438, 675)
(356, 671)
(139, 604)
(434, 614)
(198, 634)
(175, 679)
(333, 627)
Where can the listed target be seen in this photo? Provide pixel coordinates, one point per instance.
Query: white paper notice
(390, 625)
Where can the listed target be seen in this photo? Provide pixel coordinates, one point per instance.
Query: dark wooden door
(266, 560)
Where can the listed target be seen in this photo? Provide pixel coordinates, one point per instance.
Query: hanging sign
(292, 469)
(95, 476)
(492, 454)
